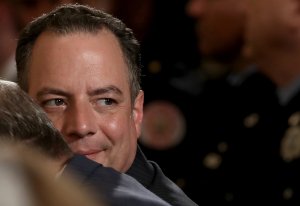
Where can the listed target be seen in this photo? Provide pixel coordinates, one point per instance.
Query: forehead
(87, 58)
(103, 44)
(225, 5)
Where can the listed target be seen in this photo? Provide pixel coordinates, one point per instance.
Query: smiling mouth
(87, 153)
(91, 155)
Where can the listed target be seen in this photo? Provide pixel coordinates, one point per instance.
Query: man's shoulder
(117, 188)
(89, 169)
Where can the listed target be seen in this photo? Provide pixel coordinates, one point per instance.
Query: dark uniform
(247, 150)
(219, 114)
(269, 153)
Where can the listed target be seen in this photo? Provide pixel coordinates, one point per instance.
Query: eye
(54, 102)
(106, 102)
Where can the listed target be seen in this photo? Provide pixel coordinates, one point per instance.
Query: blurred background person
(248, 118)
(271, 146)
(220, 28)
(232, 90)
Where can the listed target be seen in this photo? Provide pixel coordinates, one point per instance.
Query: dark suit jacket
(114, 187)
(150, 175)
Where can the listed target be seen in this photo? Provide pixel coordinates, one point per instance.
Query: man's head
(220, 27)
(22, 120)
(83, 67)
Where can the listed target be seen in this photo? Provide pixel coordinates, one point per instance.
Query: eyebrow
(107, 89)
(48, 90)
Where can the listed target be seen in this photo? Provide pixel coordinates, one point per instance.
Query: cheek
(58, 122)
(114, 125)
(119, 128)
(115, 128)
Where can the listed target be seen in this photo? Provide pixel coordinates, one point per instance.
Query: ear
(138, 112)
(298, 5)
(294, 6)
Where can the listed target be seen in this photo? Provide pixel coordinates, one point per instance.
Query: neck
(281, 67)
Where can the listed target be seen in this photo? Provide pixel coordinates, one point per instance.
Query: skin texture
(273, 33)
(81, 81)
(219, 26)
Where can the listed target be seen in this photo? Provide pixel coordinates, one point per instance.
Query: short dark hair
(72, 18)
(22, 120)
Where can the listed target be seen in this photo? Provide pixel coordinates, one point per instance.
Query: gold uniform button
(290, 144)
(251, 120)
(212, 160)
(288, 193)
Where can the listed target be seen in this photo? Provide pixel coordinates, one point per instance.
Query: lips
(88, 152)
(91, 154)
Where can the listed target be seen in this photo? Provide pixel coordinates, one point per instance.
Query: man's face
(220, 25)
(81, 81)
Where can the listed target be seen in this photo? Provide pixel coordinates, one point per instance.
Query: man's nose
(195, 8)
(80, 121)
